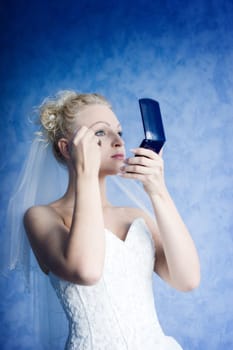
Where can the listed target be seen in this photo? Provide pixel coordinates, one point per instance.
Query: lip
(119, 156)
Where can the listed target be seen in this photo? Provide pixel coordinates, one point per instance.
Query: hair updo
(57, 115)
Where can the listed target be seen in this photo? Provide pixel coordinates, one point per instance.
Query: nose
(117, 140)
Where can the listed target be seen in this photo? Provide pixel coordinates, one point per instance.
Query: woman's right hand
(85, 152)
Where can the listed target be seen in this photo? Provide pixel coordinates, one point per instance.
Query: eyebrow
(103, 123)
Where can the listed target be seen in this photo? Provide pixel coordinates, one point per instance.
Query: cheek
(104, 144)
(103, 154)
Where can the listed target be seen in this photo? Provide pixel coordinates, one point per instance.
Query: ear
(63, 145)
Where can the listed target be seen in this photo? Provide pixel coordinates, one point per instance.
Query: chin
(108, 172)
(111, 168)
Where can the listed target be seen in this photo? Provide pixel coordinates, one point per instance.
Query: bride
(100, 258)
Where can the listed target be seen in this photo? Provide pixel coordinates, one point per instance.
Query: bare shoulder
(46, 233)
(38, 209)
(39, 221)
(40, 214)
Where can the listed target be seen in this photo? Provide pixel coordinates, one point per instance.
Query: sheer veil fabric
(41, 181)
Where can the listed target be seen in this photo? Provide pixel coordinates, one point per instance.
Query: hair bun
(58, 115)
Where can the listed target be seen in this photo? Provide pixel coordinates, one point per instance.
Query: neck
(69, 196)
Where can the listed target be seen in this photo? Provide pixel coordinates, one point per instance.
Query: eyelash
(99, 131)
(120, 133)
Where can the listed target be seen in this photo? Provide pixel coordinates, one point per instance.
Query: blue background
(178, 52)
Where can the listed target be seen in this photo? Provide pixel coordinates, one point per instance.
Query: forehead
(97, 113)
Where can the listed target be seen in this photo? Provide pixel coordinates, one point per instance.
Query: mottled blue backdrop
(178, 52)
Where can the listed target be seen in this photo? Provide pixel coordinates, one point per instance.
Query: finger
(161, 152)
(84, 134)
(138, 169)
(142, 160)
(78, 134)
(89, 134)
(90, 137)
(140, 151)
(133, 176)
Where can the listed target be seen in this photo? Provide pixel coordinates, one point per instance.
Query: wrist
(87, 186)
(161, 194)
(86, 174)
(86, 178)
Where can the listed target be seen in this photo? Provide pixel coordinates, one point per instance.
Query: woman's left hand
(146, 167)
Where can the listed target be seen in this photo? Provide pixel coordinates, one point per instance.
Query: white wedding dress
(118, 312)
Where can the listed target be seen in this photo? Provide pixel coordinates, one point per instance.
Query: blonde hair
(57, 115)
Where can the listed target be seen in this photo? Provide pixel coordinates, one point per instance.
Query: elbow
(193, 280)
(189, 287)
(191, 284)
(87, 278)
(188, 282)
(91, 280)
(84, 272)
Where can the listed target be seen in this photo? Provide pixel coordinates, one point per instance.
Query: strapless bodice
(118, 312)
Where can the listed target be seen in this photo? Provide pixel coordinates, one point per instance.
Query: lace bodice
(118, 312)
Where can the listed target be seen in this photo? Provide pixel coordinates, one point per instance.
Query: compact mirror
(152, 124)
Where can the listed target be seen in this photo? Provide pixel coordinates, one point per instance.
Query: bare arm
(183, 269)
(76, 255)
(177, 259)
(85, 246)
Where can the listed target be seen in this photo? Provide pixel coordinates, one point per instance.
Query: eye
(120, 133)
(100, 133)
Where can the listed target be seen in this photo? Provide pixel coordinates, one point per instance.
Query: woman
(100, 258)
